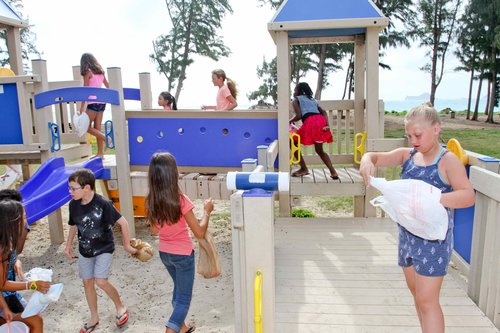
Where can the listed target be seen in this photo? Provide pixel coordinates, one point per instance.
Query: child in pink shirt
(167, 101)
(94, 76)
(170, 213)
(226, 96)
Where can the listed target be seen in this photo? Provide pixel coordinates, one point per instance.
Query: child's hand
(18, 268)
(326, 128)
(7, 315)
(366, 169)
(42, 286)
(131, 250)
(208, 206)
(143, 250)
(69, 253)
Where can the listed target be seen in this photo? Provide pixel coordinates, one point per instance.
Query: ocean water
(397, 106)
(439, 104)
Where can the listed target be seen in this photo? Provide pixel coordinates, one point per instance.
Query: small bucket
(15, 327)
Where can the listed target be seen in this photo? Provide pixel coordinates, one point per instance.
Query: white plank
(319, 176)
(352, 328)
(452, 310)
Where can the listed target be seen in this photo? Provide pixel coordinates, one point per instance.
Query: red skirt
(312, 132)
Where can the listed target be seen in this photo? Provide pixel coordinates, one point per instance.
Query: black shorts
(96, 107)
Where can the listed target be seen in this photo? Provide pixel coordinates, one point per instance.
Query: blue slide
(47, 189)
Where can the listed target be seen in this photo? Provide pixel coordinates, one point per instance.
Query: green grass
(484, 141)
(336, 204)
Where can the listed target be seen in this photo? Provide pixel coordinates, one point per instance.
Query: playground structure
(202, 140)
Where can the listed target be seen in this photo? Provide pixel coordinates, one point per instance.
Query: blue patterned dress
(428, 257)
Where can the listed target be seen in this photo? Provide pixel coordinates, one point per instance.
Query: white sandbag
(39, 301)
(414, 204)
(81, 123)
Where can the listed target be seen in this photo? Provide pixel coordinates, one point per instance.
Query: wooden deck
(69, 151)
(319, 182)
(341, 275)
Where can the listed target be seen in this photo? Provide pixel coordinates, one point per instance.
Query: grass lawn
(484, 141)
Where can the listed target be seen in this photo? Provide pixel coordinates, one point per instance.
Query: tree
(195, 26)
(468, 49)
(325, 59)
(28, 39)
(321, 58)
(482, 33)
(435, 28)
(493, 22)
(269, 87)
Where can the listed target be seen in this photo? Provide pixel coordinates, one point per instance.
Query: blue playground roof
(321, 18)
(9, 16)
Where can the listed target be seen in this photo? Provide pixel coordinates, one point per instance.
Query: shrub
(301, 212)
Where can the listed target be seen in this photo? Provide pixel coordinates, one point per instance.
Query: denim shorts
(96, 107)
(429, 258)
(97, 267)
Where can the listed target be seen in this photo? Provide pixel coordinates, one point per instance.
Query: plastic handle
(108, 132)
(359, 147)
(295, 148)
(257, 295)
(456, 148)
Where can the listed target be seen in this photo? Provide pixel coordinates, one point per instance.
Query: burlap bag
(208, 262)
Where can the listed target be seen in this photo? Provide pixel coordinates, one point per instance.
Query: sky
(120, 34)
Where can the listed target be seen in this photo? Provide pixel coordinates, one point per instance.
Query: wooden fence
(484, 271)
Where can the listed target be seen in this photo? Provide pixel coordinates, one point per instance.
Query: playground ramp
(47, 189)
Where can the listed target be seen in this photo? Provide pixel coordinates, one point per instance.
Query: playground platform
(319, 182)
(71, 151)
(341, 275)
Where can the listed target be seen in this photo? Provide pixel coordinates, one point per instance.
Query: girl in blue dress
(425, 262)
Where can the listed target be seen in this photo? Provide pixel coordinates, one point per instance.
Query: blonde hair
(426, 111)
(230, 83)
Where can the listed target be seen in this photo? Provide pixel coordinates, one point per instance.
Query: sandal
(122, 319)
(336, 177)
(88, 328)
(300, 173)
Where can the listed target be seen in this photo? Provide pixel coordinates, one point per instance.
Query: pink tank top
(96, 80)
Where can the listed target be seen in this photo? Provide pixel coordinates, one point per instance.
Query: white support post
(238, 244)
(14, 50)
(41, 120)
(41, 116)
(359, 84)
(77, 76)
(248, 164)
(283, 69)
(252, 215)
(120, 132)
(372, 78)
(262, 156)
(372, 90)
(145, 87)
